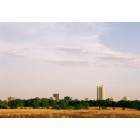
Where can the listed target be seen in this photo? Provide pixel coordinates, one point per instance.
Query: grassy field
(84, 113)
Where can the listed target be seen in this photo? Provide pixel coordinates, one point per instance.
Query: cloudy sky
(38, 59)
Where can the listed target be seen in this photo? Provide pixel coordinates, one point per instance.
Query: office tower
(56, 96)
(100, 93)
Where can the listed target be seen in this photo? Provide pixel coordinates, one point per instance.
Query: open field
(84, 113)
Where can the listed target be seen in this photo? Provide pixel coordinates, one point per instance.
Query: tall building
(100, 92)
(56, 96)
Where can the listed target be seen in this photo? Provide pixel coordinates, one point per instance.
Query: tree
(92, 103)
(63, 104)
(55, 106)
(113, 105)
(44, 103)
(18, 103)
(67, 99)
(79, 104)
(102, 104)
(3, 104)
(35, 103)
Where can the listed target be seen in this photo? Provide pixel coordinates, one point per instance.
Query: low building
(51, 98)
(111, 99)
(125, 98)
(86, 99)
(56, 96)
(11, 98)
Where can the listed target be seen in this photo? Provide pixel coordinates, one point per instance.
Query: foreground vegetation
(67, 103)
(91, 112)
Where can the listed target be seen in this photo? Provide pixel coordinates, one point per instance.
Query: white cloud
(62, 43)
(104, 54)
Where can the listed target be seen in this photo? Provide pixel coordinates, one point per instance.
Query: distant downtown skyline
(70, 58)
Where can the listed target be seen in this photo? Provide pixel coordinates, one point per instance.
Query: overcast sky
(39, 59)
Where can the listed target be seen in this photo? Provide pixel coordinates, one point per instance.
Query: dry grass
(84, 113)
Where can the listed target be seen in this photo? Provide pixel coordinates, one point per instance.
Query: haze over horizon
(71, 58)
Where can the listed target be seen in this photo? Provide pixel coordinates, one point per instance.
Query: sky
(69, 58)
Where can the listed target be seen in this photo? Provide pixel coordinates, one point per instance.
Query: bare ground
(83, 113)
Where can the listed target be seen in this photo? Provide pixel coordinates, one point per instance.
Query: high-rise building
(56, 96)
(100, 92)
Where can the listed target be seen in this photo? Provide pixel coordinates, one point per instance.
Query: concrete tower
(100, 92)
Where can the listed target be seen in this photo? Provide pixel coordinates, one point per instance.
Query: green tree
(44, 103)
(3, 104)
(36, 103)
(18, 103)
(67, 99)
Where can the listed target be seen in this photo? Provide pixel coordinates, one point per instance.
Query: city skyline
(100, 95)
(38, 59)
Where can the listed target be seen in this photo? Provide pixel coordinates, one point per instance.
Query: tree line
(67, 103)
